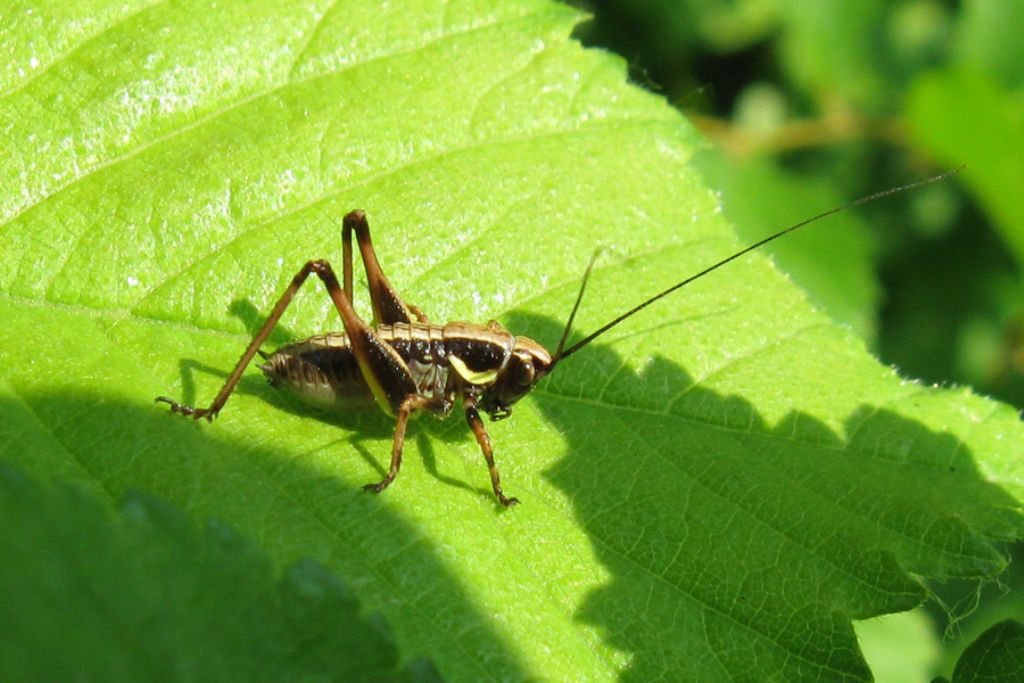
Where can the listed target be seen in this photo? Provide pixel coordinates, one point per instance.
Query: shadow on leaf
(739, 548)
(78, 580)
(294, 510)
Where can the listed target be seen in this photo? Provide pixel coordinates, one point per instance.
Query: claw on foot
(188, 411)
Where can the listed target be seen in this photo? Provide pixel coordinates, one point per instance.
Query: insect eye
(524, 374)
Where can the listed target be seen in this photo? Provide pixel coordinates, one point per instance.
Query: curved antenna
(565, 353)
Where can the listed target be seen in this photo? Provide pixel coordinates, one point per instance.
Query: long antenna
(560, 353)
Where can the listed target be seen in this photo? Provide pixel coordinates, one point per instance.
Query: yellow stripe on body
(475, 377)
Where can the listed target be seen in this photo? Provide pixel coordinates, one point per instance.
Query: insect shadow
(718, 525)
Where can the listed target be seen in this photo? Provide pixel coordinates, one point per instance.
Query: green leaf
(944, 111)
(900, 647)
(146, 595)
(997, 655)
(838, 50)
(987, 39)
(712, 490)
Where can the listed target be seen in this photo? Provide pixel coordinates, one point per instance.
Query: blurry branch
(795, 135)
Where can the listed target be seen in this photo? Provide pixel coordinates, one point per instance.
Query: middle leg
(409, 405)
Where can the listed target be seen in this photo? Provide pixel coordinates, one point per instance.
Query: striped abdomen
(323, 370)
(320, 370)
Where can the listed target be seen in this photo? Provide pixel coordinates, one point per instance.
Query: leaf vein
(235, 105)
(311, 35)
(72, 50)
(591, 129)
(810, 490)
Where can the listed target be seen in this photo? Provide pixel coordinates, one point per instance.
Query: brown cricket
(407, 364)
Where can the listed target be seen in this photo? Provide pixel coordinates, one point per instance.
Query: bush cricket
(406, 364)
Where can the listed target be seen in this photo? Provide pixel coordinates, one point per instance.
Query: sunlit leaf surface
(714, 489)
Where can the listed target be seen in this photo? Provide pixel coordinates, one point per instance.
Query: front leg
(477, 425)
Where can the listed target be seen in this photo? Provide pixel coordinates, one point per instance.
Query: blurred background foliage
(807, 104)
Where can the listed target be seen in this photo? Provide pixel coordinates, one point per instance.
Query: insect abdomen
(320, 370)
(323, 370)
